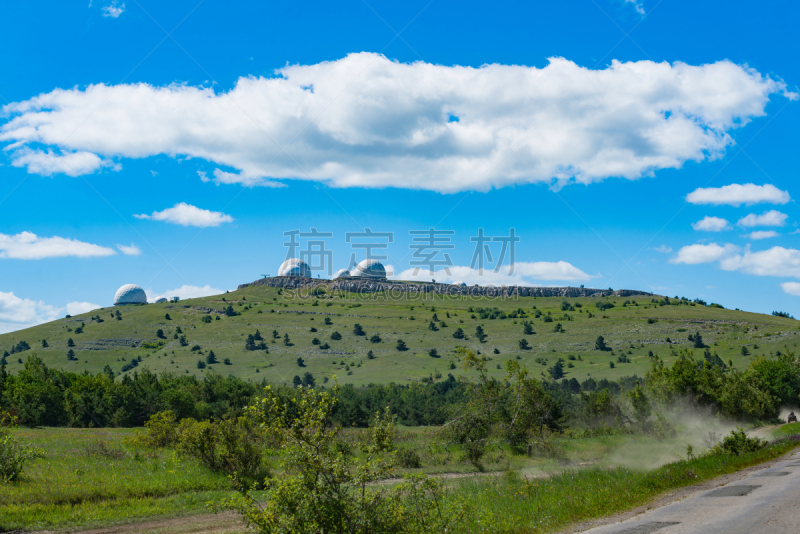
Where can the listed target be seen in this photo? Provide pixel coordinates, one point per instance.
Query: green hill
(634, 327)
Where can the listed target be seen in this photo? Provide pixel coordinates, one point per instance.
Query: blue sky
(648, 145)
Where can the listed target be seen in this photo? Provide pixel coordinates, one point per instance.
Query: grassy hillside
(632, 330)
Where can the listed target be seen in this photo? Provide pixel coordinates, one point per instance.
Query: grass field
(632, 330)
(93, 478)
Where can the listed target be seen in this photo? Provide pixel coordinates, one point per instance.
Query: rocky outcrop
(366, 285)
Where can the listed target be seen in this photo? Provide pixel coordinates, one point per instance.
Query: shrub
(358, 331)
(401, 345)
(459, 333)
(13, 454)
(336, 336)
(433, 353)
(738, 442)
(408, 459)
(370, 355)
(206, 319)
(230, 446)
(524, 345)
(375, 338)
(327, 490)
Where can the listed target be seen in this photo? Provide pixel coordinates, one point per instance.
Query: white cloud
(792, 288)
(29, 246)
(738, 194)
(77, 308)
(373, 122)
(185, 292)
(17, 313)
(203, 176)
(663, 249)
(638, 5)
(188, 215)
(222, 177)
(762, 234)
(768, 218)
(524, 274)
(711, 224)
(694, 254)
(132, 250)
(776, 261)
(51, 162)
(114, 10)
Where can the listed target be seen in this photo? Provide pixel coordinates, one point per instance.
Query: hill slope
(632, 330)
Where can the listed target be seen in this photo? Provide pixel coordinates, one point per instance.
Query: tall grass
(511, 504)
(90, 475)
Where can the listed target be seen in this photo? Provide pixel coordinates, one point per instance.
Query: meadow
(96, 477)
(321, 338)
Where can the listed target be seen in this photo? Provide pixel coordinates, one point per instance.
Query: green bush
(13, 454)
(738, 443)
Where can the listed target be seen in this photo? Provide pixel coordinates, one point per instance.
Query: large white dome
(370, 268)
(294, 267)
(459, 284)
(130, 294)
(341, 273)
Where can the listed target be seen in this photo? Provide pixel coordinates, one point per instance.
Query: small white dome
(294, 267)
(162, 299)
(370, 268)
(459, 284)
(341, 273)
(130, 294)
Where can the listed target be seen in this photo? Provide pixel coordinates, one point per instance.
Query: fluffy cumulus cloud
(711, 224)
(29, 246)
(762, 234)
(524, 273)
(738, 194)
(792, 288)
(50, 162)
(776, 261)
(699, 253)
(77, 308)
(17, 313)
(188, 215)
(768, 218)
(367, 121)
(131, 250)
(185, 292)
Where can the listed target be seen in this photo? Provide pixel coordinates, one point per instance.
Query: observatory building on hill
(294, 267)
(369, 269)
(130, 294)
(459, 284)
(341, 273)
(162, 299)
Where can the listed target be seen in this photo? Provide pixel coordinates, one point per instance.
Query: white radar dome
(294, 267)
(130, 294)
(370, 269)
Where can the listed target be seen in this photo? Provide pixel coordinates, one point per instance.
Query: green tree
(211, 358)
(336, 336)
(600, 344)
(44, 344)
(433, 353)
(70, 343)
(375, 338)
(308, 380)
(358, 331)
(523, 344)
(432, 326)
(401, 345)
(286, 340)
(557, 371)
(327, 490)
(480, 334)
(459, 333)
(527, 329)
